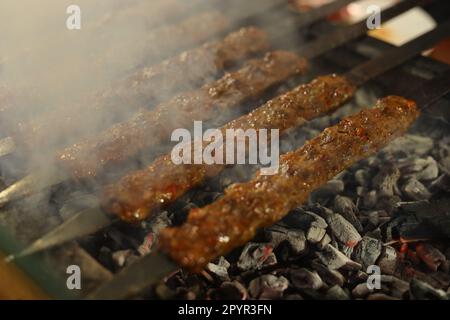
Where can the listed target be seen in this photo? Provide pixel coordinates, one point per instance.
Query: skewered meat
(164, 181)
(149, 128)
(149, 85)
(233, 219)
(185, 71)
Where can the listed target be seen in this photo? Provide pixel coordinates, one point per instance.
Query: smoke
(50, 72)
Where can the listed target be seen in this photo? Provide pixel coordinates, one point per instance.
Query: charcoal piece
(373, 218)
(419, 169)
(361, 290)
(397, 287)
(445, 266)
(415, 190)
(370, 199)
(256, 256)
(330, 276)
(268, 286)
(367, 251)
(362, 177)
(381, 296)
(386, 181)
(361, 191)
(233, 290)
(331, 188)
(321, 211)
(438, 279)
(422, 219)
(431, 256)
(303, 219)
(444, 164)
(337, 293)
(348, 210)
(410, 144)
(305, 279)
(294, 237)
(423, 291)
(335, 259)
(219, 269)
(325, 240)
(442, 183)
(315, 234)
(388, 260)
(343, 230)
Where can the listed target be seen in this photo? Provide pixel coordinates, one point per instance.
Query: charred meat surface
(233, 219)
(150, 128)
(164, 181)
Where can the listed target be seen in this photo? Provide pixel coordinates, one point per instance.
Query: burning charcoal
(231, 291)
(361, 290)
(305, 279)
(381, 296)
(295, 237)
(331, 277)
(256, 256)
(367, 251)
(410, 144)
(220, 270)
(362, 177)
(415, 190)
(423, 291)
(343, 230)
(325, 240)
(386, 181)
(432, 257)
(388, 260)
(398, 288)
(348, 209)
(335, 259)
(337, 293)
(268, 287)
(441, 184)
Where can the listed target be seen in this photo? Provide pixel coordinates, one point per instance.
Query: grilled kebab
(233, 219)
(149, 128)
(164, 181)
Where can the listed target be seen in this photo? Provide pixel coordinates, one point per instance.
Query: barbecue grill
(119, 260)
